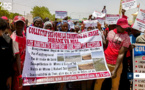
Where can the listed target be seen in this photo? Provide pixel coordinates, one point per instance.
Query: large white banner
(60, 14)
(53, 57)
(129, 4)
(140, 21)
(112, 18)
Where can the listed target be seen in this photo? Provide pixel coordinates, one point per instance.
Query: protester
(89, 28)
(55, 24)
(83, 27)
(123, 14)
(6, 55)
(19, 40)
(117, 42)
(64, 26)
(38, 22)
(7, 31)
(102, 32)
(48, 25)
(104, 10)
(141, 38)
(134, 34)
(77, 29)
(58, 26)
(46, 19)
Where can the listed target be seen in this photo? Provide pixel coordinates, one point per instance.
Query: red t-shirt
(115, 42)
(21, 40)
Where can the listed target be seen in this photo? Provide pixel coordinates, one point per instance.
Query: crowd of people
(117, 39)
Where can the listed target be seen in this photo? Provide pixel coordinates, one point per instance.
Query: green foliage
(6, 13)
(42, 12)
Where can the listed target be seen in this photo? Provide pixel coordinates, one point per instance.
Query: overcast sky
(77, 9)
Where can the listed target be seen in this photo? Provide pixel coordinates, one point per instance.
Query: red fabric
(4, 17)
(124, 16)
(123, 23)
(115, 42)
(107, 29)
(128, 53)
(22, 46)
(84, 30)
(25, 27)
(16, 86)
(19, 18)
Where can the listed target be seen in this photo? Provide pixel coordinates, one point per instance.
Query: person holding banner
(123, 14)
(19, 40)
(104, 10)
(117, 42)
(48, 25)
(64, 26)
(38, 22)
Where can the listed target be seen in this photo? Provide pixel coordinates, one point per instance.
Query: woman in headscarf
(48, 25)
(38, 22)
(64, 26)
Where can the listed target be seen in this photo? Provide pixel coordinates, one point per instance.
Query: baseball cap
(123, 23)
(19, 18)
(4, 17)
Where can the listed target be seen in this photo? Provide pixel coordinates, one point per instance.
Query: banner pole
(120, 9)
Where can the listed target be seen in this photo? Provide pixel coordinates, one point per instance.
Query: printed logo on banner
(6, 6)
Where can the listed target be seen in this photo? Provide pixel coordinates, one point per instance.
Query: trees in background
(42, 12)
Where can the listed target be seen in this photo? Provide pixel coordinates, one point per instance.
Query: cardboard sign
(97, 14)
(129, 4)
(60, 14)
(140, 21)
(112, 18)
(101, 21)
(90, 23)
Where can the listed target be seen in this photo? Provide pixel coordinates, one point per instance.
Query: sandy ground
(60, 58)
(86, 66)
(72, 69)
(86, 57)
(74, 59)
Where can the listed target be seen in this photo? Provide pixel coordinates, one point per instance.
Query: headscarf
(65, 21)
(46, 23)
(36, 18)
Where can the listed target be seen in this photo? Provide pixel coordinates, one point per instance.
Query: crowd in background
(118, 42)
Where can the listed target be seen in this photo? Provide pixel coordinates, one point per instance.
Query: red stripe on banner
(127, 1)
(142, 10)
(110, 15)
(69, 46)
(36, 80)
